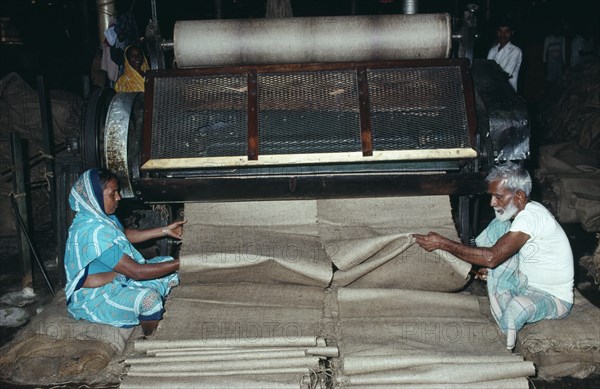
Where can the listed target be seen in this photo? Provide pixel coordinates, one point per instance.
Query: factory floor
(10, 282)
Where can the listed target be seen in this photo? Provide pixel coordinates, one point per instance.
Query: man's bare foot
(482, 274)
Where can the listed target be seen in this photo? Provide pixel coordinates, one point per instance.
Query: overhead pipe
(106, 10)
(410, 7)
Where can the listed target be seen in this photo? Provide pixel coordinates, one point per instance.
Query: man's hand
(431, 241)
(490, 257)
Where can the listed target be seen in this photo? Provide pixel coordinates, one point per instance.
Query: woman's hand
(145, 271)
(174, 230)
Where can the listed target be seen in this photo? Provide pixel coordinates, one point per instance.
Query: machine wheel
(92, 142)
(123, 124)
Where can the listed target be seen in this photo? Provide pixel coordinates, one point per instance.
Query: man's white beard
(504, 214)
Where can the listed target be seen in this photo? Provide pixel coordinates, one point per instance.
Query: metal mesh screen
(309, 112)
(417, 108)
(200, 117)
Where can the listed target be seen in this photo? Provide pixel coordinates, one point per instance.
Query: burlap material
(404, 337)
(385, 337)
(20, 113)
(227, 319)
(55, 322)
(592, 264)
(241, 311)
(273, 242)
(257, 273)
(286, 381)
(54, 348)
(367, 240)
(565, 347)
(41, 359)
(574, 176)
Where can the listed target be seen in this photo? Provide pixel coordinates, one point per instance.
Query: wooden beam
(252, 117)
(366, 137)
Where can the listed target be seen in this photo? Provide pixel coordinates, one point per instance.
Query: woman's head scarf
(131, 80)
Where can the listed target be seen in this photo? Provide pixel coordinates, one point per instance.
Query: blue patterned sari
(122, 302)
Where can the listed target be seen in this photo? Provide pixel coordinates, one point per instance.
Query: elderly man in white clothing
(507, 55)
(528, 262)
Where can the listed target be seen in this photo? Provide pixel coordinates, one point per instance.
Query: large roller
(311, 39)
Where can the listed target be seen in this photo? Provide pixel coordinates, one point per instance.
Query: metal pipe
(218, 9)
(17, 147)
(167, 44)
(154, 14)
(24, 229)
(410, 7)
(48, 138)
(106, 9)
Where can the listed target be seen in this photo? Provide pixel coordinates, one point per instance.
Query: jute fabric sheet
(369, 241)
(277, 240)
(284, 381)
(385, 337)
(234, 335)
(237, 311)
(278, 276)
(407, 337)
(54, 348)
(366, 240)
(565, 347)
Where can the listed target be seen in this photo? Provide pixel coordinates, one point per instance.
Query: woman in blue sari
(108, 280)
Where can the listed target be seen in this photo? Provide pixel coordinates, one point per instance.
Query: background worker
(132, 79)
(506, 54)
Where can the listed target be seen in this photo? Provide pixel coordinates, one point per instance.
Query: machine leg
(464, 219)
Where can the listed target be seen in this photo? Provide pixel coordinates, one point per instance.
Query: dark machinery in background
(310, 108)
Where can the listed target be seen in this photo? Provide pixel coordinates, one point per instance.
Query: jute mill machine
(315, 107)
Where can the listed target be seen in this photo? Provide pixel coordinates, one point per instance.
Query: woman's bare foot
(149, 326)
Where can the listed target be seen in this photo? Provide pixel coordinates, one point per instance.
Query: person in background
(132, 79)
(582, 46)
(524, 253)
(507, 55)
(108, 280)
(554, 56)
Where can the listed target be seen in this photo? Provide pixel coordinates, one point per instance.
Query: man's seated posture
(525, 251)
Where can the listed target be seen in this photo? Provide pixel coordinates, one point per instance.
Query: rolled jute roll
(222, 42)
